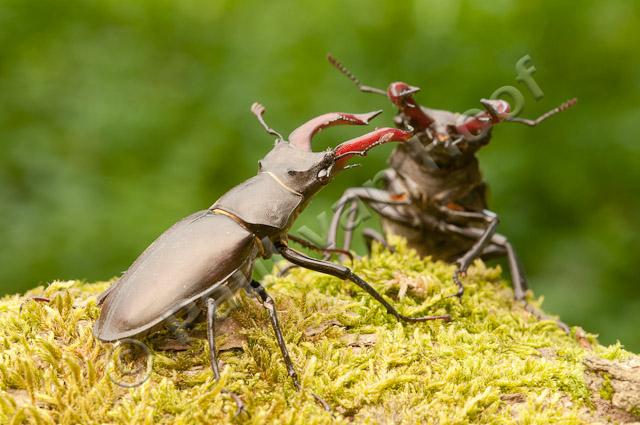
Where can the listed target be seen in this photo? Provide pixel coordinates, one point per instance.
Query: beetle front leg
(213, 356)
(463, 263)
(270, 306)
(345, 273)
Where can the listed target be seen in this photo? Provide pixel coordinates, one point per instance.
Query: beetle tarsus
(321, 402)
(240, 407)
(37, 299)
(456, 278)
(542, 316)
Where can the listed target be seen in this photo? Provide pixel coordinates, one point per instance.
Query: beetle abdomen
(202, 254)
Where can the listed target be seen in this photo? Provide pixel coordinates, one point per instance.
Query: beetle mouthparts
(361, 145)
(366, 118)
(301, 136)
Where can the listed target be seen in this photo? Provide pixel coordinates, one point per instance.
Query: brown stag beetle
(208, 256)
(433, 193)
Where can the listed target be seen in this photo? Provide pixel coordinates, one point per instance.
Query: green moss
(494, 363)
(606, 390)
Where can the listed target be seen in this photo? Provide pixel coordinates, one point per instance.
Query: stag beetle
(433, 193)
(208, 256)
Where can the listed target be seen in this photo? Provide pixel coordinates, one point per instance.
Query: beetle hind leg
(270, 306)
(213, 356)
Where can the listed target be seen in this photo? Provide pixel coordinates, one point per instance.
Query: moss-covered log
(494, 363)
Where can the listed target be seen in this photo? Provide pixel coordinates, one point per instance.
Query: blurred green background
(117, 118)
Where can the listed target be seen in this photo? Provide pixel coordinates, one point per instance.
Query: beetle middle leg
(213, 355)
(270, 306)
(308, 244)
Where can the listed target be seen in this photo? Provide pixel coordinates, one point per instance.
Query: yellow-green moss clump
(494, 363)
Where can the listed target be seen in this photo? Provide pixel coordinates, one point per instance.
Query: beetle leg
(37, 299)
(352, 223)
(500, 246)
(211, 337)
(285, 271)
(382, 201)
(368, 233)
(270, 306)
(463, 263)
(342, 272)
(371, 235)
(213, 356)
(311, 245)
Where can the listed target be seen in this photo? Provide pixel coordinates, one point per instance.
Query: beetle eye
(323, 176)
(292, 172)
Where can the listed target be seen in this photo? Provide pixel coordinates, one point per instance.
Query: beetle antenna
(345, 71)
(258, 110)
(532, 123)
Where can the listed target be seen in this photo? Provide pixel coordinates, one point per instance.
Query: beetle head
(301, 170)
(401, 93)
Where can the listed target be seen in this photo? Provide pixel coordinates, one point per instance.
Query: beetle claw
(456, 279)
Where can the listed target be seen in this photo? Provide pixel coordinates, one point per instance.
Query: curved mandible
(301, 136)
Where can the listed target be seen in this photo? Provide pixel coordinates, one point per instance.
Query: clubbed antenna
(566, 105)
(259, 110)
(345, 71)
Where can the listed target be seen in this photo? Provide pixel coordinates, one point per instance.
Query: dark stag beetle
(433, 193)
(208, 256)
